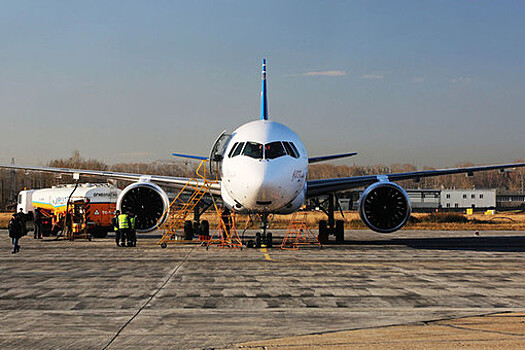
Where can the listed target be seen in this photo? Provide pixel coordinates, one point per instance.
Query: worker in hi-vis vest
(132, 237)
(124, 227)
(114, 222)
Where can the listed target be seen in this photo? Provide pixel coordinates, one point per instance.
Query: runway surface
(94, 295)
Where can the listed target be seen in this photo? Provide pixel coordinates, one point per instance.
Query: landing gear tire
(269, 240)
(323, 232)
(205, 228)
(339, 231)
(258, 240)
(196, 229)
(188, 230)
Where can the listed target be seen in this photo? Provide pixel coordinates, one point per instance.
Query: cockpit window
(253, 150)
(291, 149)
(233, 149)
(274, 150)
(237, 149)
(295, 149)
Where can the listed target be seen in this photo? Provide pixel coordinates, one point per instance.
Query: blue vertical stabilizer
(264, 98)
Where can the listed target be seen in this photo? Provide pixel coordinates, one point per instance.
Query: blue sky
(422, 82)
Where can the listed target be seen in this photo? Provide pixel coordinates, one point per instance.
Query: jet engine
(147, 201)
(384, 207)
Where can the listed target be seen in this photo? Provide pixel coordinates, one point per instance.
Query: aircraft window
(274, 150)
(253, 150)
(292, 151)
(238, 149)
(295, 149)
(233, 149)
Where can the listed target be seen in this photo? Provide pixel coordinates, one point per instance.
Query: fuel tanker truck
(98, 203)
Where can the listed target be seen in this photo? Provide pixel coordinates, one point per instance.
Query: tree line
(11, 182)
(509, 181)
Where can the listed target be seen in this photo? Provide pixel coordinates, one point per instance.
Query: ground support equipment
(179, 209)
(298, 234)
(225, 235)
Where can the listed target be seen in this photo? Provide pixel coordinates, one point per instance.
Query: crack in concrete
(175, 270)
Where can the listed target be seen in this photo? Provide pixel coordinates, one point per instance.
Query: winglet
(264, 99)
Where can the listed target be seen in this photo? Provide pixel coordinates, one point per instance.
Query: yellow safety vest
(123, 221)
(132, 222)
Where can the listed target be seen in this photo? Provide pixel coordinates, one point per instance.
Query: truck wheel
(339, 231)
(163, 245)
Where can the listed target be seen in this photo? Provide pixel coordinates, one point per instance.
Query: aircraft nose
(264, 187)
(264, 192)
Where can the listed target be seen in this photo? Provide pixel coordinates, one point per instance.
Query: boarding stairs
(179, 209)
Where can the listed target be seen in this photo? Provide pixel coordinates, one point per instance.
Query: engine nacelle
(385, 207)
(147, 201)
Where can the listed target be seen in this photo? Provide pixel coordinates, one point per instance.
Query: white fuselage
(264, 169)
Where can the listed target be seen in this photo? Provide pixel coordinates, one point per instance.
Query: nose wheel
(264, 239)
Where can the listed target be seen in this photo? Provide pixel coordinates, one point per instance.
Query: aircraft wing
(171, 181)
(325, 186)
(330, 157)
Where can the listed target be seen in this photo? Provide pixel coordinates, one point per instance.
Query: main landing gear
(197, 227)
(330, 226)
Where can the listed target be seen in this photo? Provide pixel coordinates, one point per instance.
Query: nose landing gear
(264, 239)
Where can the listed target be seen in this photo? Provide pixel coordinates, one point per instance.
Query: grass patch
(4, 219)
(442, 218)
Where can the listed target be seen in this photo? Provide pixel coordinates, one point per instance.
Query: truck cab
(25, 201)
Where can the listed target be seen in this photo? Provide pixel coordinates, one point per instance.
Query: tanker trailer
(100, 203)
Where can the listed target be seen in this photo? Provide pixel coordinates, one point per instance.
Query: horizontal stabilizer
(333, 156)
(189, 156)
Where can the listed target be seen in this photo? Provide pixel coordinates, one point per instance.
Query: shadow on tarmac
(489, 244)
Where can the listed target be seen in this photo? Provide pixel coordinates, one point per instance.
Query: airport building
(510, 201)
(463, 199)
(429, 200)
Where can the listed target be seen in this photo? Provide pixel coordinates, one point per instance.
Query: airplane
(263, 168)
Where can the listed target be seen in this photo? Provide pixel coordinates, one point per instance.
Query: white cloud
(464, 80)
(325, 73)
(375, 76)
(418, 80)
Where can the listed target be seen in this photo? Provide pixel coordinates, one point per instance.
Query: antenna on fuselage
(264, 98)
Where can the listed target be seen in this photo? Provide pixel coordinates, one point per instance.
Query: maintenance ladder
(298, 234)
(225, 235)
(178, 210)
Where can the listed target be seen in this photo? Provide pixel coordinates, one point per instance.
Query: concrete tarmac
(94, 295)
